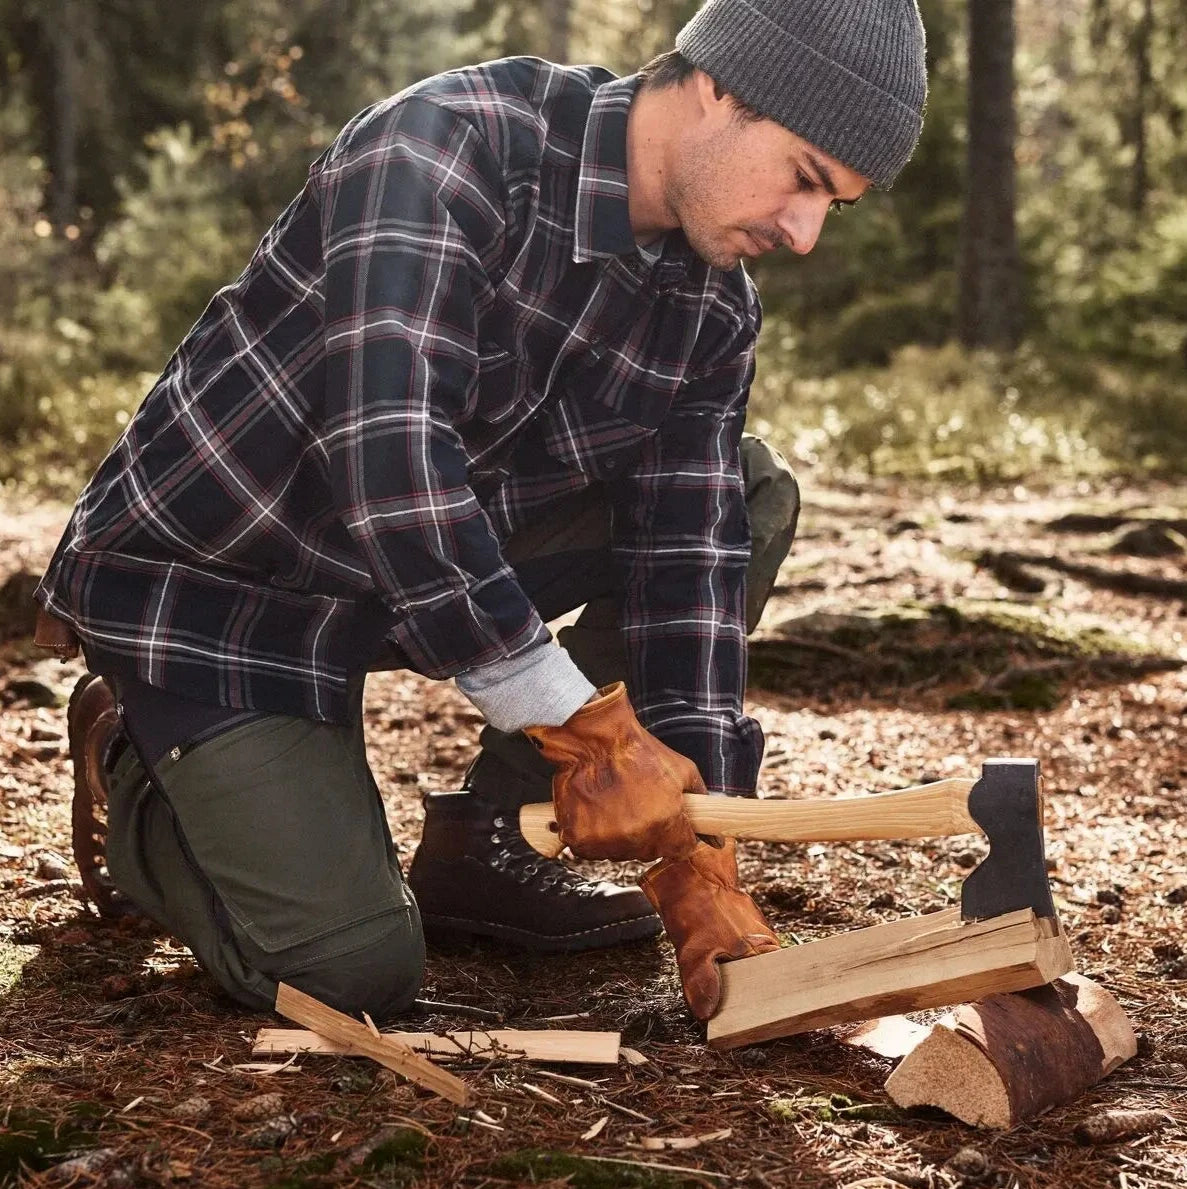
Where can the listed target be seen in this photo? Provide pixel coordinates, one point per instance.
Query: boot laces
(514, 857)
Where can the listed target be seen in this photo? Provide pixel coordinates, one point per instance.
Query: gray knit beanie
(846, 75)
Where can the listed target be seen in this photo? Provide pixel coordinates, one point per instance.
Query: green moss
(35, 1141)
(1027, 691)
(13, 959)
(532, 1166)
(831, 1108)
(308, 1174)
(403, 1154)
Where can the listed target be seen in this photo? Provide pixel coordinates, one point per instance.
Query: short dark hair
(672, 68)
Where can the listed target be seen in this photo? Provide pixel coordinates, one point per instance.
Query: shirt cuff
(539, 687)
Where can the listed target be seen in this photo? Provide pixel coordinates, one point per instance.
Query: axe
(1006, 805)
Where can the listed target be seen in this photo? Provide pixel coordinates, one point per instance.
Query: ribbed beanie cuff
(846, 75)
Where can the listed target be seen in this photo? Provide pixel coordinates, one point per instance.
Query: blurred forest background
(1016, 307)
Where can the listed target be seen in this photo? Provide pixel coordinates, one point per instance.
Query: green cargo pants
(265, 848)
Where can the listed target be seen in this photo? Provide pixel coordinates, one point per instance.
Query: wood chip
(681, 1143)
(597, 1128)
(633, 1056)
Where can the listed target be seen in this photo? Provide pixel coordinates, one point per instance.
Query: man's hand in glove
(708, 918)
(617, 789)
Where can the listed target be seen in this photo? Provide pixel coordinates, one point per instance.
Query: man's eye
(804, 181)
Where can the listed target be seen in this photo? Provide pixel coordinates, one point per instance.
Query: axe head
(1007, 803)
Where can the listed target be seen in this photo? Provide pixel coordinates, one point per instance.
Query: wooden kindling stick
(311, 1013)
(582, 1048)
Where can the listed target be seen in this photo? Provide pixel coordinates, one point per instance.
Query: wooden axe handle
(926, 811)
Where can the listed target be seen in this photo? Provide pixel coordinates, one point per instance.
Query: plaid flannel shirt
(447, 329)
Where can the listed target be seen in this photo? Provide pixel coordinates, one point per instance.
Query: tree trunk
(559, 15)
(991, 285)
(1141, 170)
(61, 40)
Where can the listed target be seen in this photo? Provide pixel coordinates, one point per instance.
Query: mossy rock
(396, 1161)
(978, 654)
(533, 1165)
(35, 1141)
(1157, 539)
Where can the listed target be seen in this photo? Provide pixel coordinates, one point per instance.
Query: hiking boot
(473, 874)
(96, 738)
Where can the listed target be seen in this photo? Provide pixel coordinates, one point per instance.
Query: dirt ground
(121, 1064)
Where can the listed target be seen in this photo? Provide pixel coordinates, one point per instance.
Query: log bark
(1010, 1057)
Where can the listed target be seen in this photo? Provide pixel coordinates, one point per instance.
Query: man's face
(740, 188)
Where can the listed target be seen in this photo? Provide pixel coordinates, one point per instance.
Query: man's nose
(801, 225)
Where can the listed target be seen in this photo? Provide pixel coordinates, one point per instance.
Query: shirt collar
(602, 223)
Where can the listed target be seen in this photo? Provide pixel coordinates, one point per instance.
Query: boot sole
(446, 928)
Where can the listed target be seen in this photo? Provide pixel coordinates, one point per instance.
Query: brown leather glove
(617, 789)
(708, 918)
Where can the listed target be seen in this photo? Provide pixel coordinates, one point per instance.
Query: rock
(53, 867)
(262, 1106)
(36, 693)
(18, 611)
(1149, 540)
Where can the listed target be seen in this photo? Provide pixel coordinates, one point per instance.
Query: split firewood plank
(311, 1013)
(918, 962)
(1011, 1057)
(586, 1048)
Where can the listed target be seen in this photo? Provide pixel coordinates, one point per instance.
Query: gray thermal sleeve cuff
(540, 687)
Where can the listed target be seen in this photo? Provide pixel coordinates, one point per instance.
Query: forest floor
(894, 652)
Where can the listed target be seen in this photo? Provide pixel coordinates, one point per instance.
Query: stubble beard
(689, 195)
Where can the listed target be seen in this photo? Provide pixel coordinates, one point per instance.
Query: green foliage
(197, 125)
(933, 412)
(177, 240)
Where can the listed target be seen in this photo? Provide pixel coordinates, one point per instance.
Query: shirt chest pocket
(588, 436)
(504, 384)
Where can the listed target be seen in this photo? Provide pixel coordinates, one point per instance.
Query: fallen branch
(1124, 581)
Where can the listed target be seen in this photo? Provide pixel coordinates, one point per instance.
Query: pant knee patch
(376, 966)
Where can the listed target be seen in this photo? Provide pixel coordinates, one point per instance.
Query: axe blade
(1007, 803)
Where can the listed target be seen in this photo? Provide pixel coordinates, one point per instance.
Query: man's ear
(711, 99)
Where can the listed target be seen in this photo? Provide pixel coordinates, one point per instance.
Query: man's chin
(725, 259)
